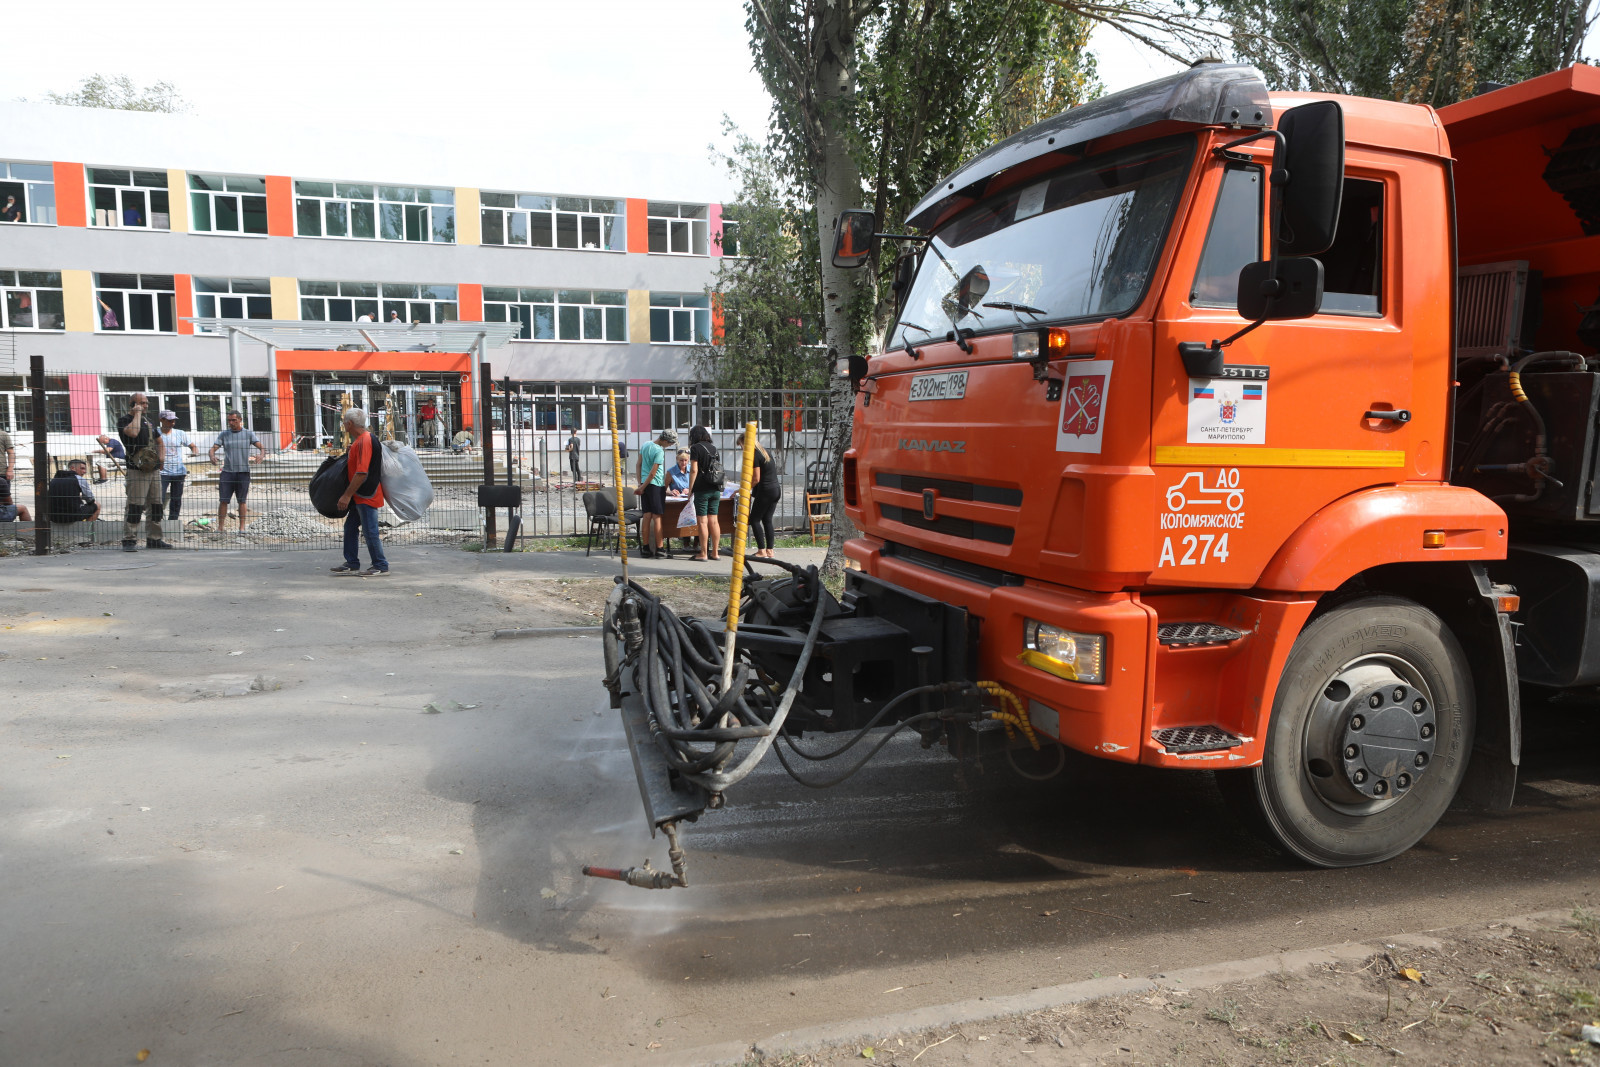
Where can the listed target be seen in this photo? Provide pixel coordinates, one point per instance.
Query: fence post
(41, 460)
(486, 435)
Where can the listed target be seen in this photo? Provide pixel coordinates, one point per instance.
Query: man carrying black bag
(363, 496)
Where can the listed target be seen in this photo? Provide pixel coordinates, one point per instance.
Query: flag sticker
(1227, 411)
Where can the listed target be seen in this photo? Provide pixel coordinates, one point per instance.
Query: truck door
(1244, 459)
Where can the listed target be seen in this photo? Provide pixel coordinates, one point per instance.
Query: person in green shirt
(653, 490)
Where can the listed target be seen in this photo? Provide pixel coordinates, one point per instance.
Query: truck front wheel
(1369, 736)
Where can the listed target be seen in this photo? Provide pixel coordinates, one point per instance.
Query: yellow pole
(741, 526)
(616, 481)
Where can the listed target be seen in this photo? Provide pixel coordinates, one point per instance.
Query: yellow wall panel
(77, 298)
(468, 228)
(639, 316)
(178, 199)
(285, 298)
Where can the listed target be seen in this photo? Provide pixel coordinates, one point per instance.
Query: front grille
(949, 487)
(1196, 739)
(1196, 633)
(956, 568)
(946, 524)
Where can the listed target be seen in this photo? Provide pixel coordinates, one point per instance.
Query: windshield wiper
(1006, 305)
(911, 325)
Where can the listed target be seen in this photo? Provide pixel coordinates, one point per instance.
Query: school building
(116, 228)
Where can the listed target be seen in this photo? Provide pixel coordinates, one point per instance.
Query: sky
(618, 97)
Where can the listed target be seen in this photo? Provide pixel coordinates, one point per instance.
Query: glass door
(331, 402)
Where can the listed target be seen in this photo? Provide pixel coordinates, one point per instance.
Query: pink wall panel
(83, 394)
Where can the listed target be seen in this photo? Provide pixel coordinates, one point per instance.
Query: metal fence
(297, 420)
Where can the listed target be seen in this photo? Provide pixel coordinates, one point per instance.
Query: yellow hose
(616, 483)
(1011, 713)
(1516, 387)
(741, 527)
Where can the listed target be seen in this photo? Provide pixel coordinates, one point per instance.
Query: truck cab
(1251, 559)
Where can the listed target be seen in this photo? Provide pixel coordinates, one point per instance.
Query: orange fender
(1386, 525)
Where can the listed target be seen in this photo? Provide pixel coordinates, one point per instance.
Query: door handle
(1390, 416)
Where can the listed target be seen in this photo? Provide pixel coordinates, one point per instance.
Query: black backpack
(333, 477)
(710, 471)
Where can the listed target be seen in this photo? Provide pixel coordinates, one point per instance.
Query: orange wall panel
(638, 225)
(184, 299)
(280, 206)
(469, 302)
(72, 197)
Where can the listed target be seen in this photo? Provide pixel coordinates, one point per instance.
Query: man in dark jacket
(71, 500)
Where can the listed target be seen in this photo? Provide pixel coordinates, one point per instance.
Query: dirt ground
(581, 601)
(1486, 996)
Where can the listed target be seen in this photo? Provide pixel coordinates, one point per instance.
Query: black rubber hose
(862, 762)
(873, 722)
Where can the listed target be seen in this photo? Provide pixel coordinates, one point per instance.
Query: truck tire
(1369, 738)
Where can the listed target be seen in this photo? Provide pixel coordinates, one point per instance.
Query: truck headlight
(1063, 653)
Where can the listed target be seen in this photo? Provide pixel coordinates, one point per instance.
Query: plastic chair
(602, 518)
(631, 511)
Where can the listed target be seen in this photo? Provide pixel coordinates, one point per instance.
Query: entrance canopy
(371, 336)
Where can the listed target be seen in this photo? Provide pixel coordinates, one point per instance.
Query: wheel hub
(1372, 735)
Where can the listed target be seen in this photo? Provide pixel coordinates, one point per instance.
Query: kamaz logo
(913, 444)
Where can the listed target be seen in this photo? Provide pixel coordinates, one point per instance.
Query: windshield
(1077, 244)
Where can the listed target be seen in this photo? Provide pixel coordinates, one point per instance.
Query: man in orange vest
(363, 497)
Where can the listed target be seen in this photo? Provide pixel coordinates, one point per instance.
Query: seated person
(678, 476)
(110, 455)
(461, 441)
(9, 510)
(71, 499)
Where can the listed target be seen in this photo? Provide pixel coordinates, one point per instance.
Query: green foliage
(121, 94)
(769, 294)
(1421, 51)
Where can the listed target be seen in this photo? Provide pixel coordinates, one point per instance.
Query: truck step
(1196, 633)
(1196, 739)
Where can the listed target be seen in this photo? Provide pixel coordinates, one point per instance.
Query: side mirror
(972, 288)
(905, 269)
(1313, 163)
(856, 371)
(1287, 289)
(853, 237)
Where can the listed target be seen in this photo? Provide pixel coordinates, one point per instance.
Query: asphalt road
(325, 872)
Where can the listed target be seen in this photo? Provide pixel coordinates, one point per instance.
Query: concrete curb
(874, 1029)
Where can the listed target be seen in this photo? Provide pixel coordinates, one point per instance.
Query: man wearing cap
(173, 469)
(653, 490)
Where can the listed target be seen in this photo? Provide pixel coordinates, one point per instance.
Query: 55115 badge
(1084, 396)
(1231, 410)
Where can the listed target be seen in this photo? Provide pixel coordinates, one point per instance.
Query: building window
(32, 300)
(27, 193)
(560, 314)
(674, 405)
(200, 403)
(678, 229)
(232, 298)
(378, 302)
(729, 242)
(565, 405)
(374, 212)
(130, 199)
(135, 303)
(538, 221)
(16, 404)
(227, 204)
(680, 319)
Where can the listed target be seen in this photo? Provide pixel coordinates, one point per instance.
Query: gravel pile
(286, 522)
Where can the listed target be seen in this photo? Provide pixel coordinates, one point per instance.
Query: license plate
(952, 385)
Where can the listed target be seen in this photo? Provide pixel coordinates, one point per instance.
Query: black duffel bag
(328, 485)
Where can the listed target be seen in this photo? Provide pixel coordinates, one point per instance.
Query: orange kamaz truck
(1217, 428)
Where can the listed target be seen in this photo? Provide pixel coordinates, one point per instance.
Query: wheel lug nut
(1359, 776)
(1399, 694)
(1417, 707)
(1380, 787)
(1420, 759)
(1375, 700)
(1403, 781)
(1427, 730)
(1351, 751)
(1357, 722)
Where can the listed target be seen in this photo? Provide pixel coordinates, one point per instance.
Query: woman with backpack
(705, 489)
(765, 490)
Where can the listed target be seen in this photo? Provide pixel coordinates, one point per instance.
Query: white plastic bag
(406, 488)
